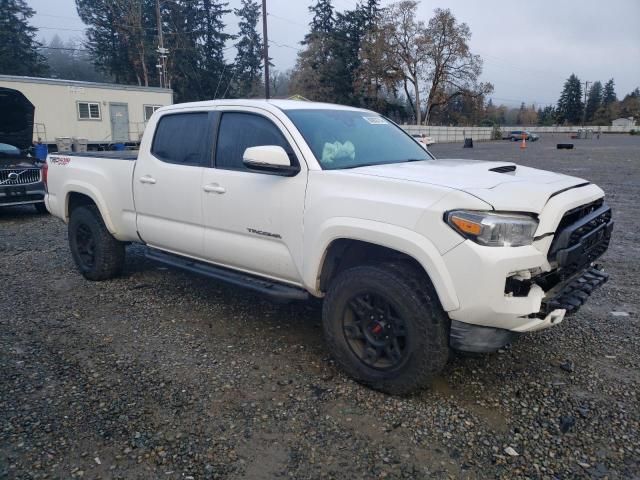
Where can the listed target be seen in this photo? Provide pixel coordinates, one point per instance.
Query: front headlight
(494, 229)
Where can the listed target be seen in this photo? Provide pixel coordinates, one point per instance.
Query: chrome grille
(20, 176)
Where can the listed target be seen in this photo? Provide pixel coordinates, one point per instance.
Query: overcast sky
(529, 48)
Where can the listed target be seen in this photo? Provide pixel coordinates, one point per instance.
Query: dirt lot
(163, 374)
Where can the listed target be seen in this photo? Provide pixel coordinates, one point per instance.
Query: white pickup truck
(413, 256)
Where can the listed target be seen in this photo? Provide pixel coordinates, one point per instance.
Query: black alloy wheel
(96, 253)
(385, 327)
(375, 331)
(86, 246)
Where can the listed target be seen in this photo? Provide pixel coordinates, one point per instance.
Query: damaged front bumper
(508, 291)
(571, 295)
(467, 337)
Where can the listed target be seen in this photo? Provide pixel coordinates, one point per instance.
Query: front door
(253, 220)
(167, 183)
(119, 114)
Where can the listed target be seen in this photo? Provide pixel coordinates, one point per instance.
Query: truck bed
(99, 176)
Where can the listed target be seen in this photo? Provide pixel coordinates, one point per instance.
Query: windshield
(349, 139)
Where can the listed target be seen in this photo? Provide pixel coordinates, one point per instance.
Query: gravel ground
(163, 374)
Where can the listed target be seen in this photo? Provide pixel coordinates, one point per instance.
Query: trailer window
(89, 111)
(148, 111)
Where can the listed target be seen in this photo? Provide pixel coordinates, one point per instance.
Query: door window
(183, 138)
(239, 131)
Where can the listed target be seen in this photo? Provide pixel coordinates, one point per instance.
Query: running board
(273, 289)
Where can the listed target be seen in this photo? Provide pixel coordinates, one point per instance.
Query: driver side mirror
(271, 159)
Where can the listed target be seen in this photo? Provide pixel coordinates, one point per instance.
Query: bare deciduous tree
(434, 58)
(407, 40)
(451, 70)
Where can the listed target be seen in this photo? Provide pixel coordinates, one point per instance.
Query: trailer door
(119, 113)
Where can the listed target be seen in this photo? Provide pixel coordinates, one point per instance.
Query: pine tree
(630, 104)
(323, 19)
(346, 40)
(546, 116)
(570, 105)
(120, 37)
(594, 100)
(18, 48)
(67, 60)
(371, 9)
(312, 76)
(609, 95)
(213, 41)
(183, 40)
(248, 62)
(330, 68)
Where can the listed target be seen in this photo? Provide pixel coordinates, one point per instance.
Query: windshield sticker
(376, 120)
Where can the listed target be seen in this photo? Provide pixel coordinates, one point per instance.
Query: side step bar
(273, 289)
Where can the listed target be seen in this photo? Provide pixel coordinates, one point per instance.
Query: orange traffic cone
(523, 145)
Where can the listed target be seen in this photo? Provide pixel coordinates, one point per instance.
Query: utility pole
(586, 90)
(265, 39)
(162, 64)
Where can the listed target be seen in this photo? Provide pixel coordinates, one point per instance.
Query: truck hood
(503, 185)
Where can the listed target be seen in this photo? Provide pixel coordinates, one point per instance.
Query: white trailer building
(101, 113)
(624, 122)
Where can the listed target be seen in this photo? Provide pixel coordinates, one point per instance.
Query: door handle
(147, 179)
(214, 188)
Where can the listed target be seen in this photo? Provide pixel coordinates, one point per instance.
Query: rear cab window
(183, 139)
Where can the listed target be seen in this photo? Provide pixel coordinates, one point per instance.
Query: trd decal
(62, 161)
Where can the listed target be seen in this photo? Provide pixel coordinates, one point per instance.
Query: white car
(425, 140)
(412, 255)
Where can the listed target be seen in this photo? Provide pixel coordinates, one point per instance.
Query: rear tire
(95, 252)
(405, 345)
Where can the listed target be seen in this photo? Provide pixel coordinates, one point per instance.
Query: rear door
(119, 115)
(167, 183)
(253, 220)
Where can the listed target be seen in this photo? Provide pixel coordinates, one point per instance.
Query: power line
(66, 48)
(59, 28)
(265, 46)
(292, 22)
(284, 45)
(39, 14)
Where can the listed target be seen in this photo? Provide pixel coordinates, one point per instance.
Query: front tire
(95, 252)
(385, 327)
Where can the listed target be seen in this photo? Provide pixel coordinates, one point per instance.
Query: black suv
(20, 173)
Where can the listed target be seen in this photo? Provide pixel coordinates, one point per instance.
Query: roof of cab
(262, 103)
